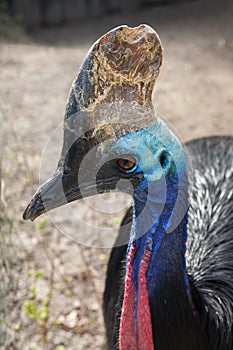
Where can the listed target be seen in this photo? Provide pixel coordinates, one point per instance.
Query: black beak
(63, 188)
(58, 190)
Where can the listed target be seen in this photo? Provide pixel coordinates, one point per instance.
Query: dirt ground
(51, 286)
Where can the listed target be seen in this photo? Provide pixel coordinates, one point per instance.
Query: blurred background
(50, 286)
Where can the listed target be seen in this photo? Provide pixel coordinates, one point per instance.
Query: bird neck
(156, 284)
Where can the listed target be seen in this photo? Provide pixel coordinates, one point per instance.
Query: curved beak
(63, 188)
(58, 190)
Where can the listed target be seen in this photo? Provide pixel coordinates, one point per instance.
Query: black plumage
(209, 248)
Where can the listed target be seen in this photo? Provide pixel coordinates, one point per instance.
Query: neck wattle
(155, 266)
(135, 325)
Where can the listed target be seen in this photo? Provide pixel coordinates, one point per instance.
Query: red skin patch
(127, 338)
(142, 338)
(145, 336)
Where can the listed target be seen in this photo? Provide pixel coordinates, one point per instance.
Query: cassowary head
(113, 139)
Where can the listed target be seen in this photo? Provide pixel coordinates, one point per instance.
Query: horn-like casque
(115, 82)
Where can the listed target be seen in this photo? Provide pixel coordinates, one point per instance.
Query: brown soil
(194, 93)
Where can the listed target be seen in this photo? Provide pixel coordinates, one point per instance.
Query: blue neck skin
(166, 272)
(160, 202)
(152, 219)
(160, 226)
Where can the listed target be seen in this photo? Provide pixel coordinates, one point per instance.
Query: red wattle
(145, 335)
(127, 336)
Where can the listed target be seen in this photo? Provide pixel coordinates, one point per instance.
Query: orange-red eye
(127, 162)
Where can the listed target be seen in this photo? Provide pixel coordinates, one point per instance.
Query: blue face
(156, 154)
(155, 150)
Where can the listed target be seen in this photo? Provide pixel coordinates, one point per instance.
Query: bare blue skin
(160, 211)
(146, 146)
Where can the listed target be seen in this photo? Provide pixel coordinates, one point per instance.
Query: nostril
(164, 159)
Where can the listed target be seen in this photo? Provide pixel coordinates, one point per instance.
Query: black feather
(210, 232)
(209, 255)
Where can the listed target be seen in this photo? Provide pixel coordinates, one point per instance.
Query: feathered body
(209, 259)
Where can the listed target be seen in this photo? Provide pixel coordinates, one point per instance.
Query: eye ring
(127, 163)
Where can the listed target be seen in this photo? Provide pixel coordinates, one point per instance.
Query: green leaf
(42, 313)
(17, 327)
(116, 220)
(68, 293)
(30, 272)
(42, 223)
(40, 273)
(57, 322)
(103, 257)
(33, 291)
(30, 307)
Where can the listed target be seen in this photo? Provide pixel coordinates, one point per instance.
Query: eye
(127, 163)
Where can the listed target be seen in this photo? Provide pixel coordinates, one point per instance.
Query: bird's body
(169, 284)
(209, 259)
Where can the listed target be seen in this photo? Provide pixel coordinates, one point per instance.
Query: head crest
(115, 82)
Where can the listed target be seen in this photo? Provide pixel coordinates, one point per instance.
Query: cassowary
(169, 283)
